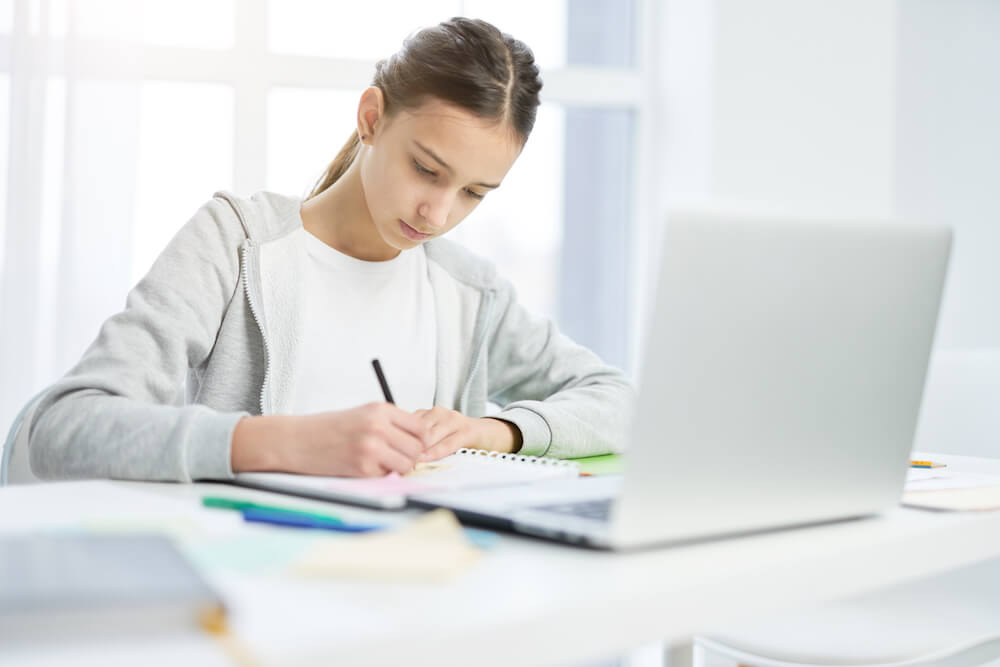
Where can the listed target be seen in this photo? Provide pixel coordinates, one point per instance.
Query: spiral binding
(518, 458)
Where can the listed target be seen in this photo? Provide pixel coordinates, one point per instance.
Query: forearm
(257, 443)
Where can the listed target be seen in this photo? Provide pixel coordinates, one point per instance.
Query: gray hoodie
(211, 334)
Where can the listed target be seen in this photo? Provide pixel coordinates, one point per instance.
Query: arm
(112, 415)
(563, 399)
(366, 441)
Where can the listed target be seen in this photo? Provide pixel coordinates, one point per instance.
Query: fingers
(441, 422)
(377, 456)
(403, 438)
(391, 460)
(440, 431)
(404, 443)
(449, 445)
(385, 440)
(415, 425)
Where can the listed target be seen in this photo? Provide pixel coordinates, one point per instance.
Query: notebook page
(934, 479)
(463, 470)
(467, 469)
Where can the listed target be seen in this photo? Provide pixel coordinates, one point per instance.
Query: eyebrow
(445, 165)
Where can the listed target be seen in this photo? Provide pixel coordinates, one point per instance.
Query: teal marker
(240, 505)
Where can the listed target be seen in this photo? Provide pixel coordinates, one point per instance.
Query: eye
(473, 194)
(421, 169)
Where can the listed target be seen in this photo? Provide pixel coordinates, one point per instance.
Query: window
(306, 128)
(149, 107)
(185, 145)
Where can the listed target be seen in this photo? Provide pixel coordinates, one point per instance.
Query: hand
(367, 441)
(450, 431)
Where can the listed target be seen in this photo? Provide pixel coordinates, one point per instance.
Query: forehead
(475, 148)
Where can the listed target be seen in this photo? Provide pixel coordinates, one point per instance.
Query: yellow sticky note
(432, 547)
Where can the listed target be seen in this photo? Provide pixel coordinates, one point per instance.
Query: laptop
(782, 375)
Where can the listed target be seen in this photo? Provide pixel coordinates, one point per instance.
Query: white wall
(948, 169)
(859, 107)
(779, 103)
(803, 104)
(948, 157)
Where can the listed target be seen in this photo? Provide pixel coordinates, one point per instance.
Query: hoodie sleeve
(114, 413)
(566, 402)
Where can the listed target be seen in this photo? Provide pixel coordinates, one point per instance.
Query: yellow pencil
(926, 464)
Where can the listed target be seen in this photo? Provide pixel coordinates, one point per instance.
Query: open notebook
(465, 469)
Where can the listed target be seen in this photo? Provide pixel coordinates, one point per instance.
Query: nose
(435, 208)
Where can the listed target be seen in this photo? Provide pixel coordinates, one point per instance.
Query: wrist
(508, 436)
(259, 443)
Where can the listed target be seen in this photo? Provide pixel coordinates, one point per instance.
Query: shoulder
(463, 265)
(265, 215)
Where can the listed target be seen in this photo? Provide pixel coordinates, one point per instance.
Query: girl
(273, 307)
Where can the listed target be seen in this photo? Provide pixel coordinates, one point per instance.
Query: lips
(411, 233)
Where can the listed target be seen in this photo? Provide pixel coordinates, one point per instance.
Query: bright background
(119, 118)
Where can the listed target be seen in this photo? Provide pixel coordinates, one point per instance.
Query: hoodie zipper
(255, 311)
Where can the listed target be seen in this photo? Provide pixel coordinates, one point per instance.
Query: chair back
(15, 462)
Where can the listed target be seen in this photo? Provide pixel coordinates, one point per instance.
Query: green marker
(240, 505)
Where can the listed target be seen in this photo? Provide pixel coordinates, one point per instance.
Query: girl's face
(426, 169)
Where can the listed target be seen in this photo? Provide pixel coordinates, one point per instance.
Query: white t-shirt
(356, 311)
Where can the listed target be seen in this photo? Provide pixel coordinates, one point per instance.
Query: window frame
(252, 70)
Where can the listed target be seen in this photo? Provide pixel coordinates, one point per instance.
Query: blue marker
(279, 518)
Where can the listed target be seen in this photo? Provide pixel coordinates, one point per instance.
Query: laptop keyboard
(597, 510)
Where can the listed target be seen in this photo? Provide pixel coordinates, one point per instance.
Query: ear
(371, 110)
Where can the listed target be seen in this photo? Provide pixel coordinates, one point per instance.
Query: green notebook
(607, 464)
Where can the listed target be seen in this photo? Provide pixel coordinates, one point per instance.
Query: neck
(339, 217)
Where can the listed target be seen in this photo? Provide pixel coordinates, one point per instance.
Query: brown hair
(462, 61)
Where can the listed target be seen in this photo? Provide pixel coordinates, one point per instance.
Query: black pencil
(381, 380)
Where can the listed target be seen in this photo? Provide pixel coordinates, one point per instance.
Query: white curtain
(70, 187)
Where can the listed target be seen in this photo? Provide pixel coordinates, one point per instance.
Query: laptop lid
(782, 374)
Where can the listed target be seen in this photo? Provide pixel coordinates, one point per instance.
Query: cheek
(379, 186)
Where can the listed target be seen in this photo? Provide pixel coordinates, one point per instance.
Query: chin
(397, 241)
(400, 237)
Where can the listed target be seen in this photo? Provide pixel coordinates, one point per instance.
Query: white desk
(528, 602)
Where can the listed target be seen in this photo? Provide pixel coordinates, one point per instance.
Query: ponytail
(339, 165)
